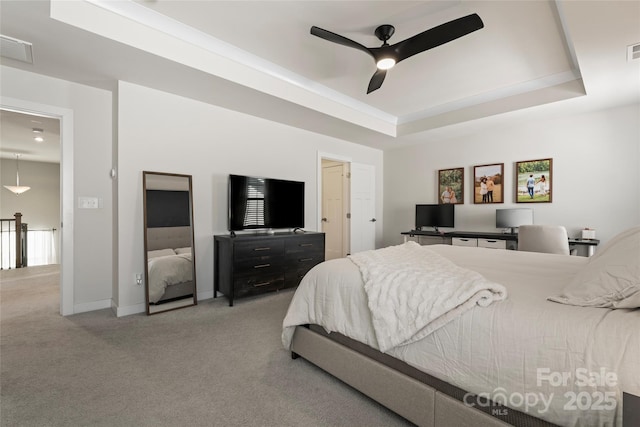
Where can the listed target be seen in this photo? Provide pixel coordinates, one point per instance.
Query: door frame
(65, 116)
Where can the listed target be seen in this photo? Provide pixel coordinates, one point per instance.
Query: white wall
(596, 172)
(92, 141)
(166, 133)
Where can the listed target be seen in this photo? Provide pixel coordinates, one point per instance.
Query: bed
(169, 264)
(556, 342)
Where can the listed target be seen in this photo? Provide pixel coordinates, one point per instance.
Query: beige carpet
(209, 365)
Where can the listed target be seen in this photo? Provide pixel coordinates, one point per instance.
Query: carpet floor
(208, 365)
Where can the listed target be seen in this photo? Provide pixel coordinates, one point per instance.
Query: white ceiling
(532, 58)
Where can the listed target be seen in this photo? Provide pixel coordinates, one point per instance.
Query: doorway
(335, 208)
(346, 205)
(65, 118)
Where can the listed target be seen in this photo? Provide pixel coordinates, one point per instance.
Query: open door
(335, 204)
(346, 205)
(363, 208)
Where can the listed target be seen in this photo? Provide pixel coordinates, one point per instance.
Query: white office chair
(551, 239)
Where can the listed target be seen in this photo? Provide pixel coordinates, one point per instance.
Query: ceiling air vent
(15, 49)
(633, 52)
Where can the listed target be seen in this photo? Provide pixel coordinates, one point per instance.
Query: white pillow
(186, 250)
(159, 253)
(611, 278)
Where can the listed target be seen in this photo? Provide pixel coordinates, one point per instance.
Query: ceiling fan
(386, 56)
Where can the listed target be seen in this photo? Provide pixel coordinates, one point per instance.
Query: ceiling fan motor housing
(384, 32)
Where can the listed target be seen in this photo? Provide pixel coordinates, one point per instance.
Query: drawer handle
(306, 244)
(261, 249)
(257, 285)
(492, 241)
(305, 259)
(262, 265)
(464, 240)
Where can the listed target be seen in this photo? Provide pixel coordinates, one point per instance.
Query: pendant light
(17, 189)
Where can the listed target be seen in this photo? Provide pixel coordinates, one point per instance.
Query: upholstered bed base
(175, 292)
(416, 396)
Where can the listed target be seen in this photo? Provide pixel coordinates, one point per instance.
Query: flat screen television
(435, 216)
(265, 203)
(513, 218)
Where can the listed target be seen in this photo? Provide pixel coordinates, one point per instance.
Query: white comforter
(564, 364)
(166, 271)
(412, 291)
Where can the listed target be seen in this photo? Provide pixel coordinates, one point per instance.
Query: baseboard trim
(91, 306)
(129, 310)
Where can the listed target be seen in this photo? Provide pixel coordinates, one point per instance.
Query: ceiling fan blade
(337, 38)
(437, 36)
(376, 80)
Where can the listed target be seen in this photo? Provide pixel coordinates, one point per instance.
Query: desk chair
(551, 239)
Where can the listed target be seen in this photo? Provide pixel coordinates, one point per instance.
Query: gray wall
(161, 132)
(90, 163)
(40, 206)
(596, 159)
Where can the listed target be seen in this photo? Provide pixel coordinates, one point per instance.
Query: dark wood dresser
(250, 264)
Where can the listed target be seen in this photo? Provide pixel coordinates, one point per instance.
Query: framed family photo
(451, 186)
(533, 182)
(488, 183)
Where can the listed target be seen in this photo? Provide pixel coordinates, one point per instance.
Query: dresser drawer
(258, 265)
(464, 241)
(492, 243)
(258, 283)
(310, 243)
(315, 256)
(261, 248)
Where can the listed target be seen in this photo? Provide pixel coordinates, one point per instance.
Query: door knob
(324, 220)
(372, 220)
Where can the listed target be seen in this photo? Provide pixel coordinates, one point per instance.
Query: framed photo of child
(533, 182)
(488, 183)
(451, 186)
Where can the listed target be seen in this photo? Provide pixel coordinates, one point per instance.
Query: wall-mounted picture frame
(533, 181)
(451, 186)
(488, 183)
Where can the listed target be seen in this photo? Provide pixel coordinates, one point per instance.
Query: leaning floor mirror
(170, 280)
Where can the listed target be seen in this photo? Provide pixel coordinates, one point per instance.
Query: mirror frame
(186, 301)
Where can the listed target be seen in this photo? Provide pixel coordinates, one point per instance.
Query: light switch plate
(88, 203)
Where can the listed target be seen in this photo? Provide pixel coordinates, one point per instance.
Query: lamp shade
(17, 189)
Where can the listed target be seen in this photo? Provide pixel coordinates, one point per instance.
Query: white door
(363, 208)
(333, 210)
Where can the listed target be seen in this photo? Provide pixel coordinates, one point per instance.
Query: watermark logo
(583, 400)
(596, 399)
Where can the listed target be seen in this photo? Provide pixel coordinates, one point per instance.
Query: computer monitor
(513, 218)
(435, 216)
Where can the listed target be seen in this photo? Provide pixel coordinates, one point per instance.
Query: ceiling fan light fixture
(386, 63)
(386, 56)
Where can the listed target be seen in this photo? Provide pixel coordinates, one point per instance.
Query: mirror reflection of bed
(169, 256)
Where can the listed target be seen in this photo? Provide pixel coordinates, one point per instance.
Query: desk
(510, 240)
(589, 244)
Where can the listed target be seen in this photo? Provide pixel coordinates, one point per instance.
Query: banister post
(18, 217)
